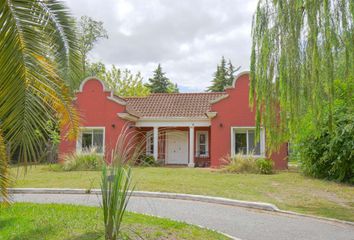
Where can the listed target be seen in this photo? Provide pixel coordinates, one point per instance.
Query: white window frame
(198, 133)
(233, 140)
(149, 143)
(79, 140)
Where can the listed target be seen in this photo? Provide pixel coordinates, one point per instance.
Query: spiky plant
(116, 182)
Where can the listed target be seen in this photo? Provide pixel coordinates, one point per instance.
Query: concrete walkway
(243, 223)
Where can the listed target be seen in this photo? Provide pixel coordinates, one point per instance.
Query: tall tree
(298, 48)
(223, 77)
(39, 59)
(159, 83)
(125, 84)
(230, 73)
(90, 32)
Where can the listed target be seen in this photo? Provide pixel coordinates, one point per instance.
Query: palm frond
(4, 170)
(37, 52)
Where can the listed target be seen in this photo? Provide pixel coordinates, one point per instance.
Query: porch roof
(173, 105)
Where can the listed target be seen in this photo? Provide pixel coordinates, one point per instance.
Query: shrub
(265, 166)
(248, 164)
(240, 164)
(83, 161)
(325, 147)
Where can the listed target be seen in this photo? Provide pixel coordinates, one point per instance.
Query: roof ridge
(189, 93)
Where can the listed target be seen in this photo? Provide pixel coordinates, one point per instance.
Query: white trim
(211, 114)
(173, 123)
(105, 88)
(156, 142)
(261, 141)
(191, 147)
(244, 72)
(198, 133)
(79, 139)
(111, 96)
(219, 98)
(116, 99)
(128, 116)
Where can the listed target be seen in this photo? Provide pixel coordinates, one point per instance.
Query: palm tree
(39, 64)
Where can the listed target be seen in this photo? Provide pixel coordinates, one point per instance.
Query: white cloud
(187, 37)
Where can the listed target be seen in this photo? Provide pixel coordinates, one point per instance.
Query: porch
(178, 145)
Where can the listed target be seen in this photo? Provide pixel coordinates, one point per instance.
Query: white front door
(177, 147)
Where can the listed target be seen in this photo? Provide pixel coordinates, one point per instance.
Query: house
(194, 129)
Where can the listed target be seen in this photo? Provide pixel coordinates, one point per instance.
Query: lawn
(56, 221)
(287, 190)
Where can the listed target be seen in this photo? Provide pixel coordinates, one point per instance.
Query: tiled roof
(172, 105)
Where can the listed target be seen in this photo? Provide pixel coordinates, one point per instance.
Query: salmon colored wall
(96, 110)
(231, 112)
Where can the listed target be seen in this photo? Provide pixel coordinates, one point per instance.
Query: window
(91, 138)
(243, 142)
(202, 144)
(149, 143)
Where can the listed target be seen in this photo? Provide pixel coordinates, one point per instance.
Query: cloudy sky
(187, 37)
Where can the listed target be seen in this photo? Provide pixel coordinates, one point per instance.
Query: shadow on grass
(37, 233)
(4, 223)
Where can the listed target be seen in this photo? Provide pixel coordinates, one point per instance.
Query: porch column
(191, 147)
(156, 142)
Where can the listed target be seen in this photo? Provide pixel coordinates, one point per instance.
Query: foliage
(329, 154)
(4, 170)
(241, 163)
(125, 84)
(90, 32)
(83, 161)
(159, 83)
(299, 49)
(265, 166)
(116, 181)
(223, 77)
(116, 191)
(39, 60)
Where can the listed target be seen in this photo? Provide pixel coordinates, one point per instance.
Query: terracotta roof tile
(172, 105)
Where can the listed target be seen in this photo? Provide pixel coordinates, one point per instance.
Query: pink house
(192, 129)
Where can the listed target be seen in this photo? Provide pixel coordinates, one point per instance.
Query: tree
(159, 83)
(97, 69)
(125, 83)
(298, 48)
(223, 77)
(89, 33)
(39, 60)
(230, 73)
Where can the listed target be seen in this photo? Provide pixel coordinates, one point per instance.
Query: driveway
(243, 223)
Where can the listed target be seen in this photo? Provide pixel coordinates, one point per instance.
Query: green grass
(57, 221)
(288, 190)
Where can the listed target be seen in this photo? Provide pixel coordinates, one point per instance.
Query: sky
(188, 37)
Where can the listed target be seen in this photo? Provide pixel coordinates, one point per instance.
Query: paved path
(244, 223)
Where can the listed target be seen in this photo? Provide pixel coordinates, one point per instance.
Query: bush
(240, 164)
(330, 155)
(248, 164)
(265, 166)
(325, 148)
(83, 161)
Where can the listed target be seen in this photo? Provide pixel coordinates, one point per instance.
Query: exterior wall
(96, 110)
(234, 111)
